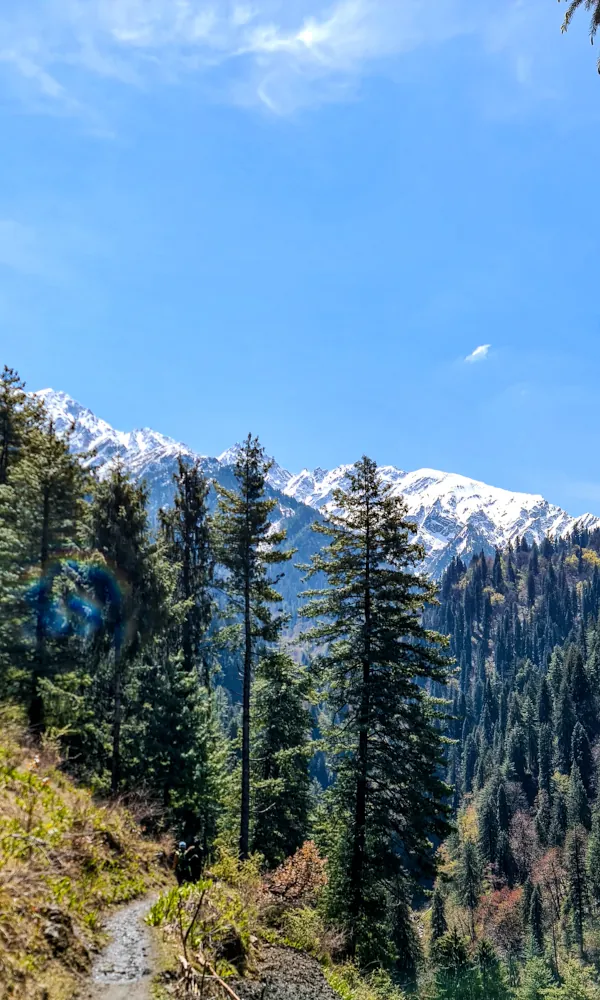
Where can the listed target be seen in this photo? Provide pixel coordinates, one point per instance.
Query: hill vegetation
(451, 846)
(63, 860)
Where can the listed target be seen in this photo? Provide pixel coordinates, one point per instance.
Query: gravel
(285, 974)
(124, 969)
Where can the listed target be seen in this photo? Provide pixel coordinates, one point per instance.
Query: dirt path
(124, 969)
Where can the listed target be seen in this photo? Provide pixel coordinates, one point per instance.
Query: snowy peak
(455, 515)
(138, 448)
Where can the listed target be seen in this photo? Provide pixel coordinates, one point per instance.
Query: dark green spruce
(378, 665)
(248, 548)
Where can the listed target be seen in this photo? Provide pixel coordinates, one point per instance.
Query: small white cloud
(479, 354)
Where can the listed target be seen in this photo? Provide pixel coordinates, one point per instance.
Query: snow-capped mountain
(90, 433)
(455, 515)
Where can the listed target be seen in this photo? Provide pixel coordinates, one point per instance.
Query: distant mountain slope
(455, 515)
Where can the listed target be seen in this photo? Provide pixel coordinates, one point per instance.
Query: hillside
(525, 630)
(64, 859)
(455, 515)
(449, 855)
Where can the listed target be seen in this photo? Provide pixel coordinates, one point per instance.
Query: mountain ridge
(455, 515)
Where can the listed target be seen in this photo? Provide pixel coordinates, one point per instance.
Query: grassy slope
(63, 859)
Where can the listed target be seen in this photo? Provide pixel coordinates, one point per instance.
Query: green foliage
(468, 879)
(281, 750)
(578, 808)
(58, 849)
(578, 983)
(593, 859)
(212, 920)
(536, 920)
(535, 981)
(247, 548)
(303, 928)
(577, 883)
(351, 984)
(187, 545)
(388, 751)
(439, 925)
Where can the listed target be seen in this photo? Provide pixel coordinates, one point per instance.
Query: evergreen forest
(433, 748)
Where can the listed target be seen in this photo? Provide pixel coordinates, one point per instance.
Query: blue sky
(301, 218)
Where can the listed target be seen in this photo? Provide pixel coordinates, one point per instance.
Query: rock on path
(124, 969)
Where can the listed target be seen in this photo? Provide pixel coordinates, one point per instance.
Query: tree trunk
(245, 810)
(36, 707)
(188, 651)
(116, 731)
(360, 816)
(4, 450)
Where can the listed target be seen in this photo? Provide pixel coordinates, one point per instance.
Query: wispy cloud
(479, 354)
(280, 53)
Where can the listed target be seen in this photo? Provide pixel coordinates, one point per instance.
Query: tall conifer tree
(248, 547)
(130, 589)
(49, 486)
(186, 532)
(281, 749)
(378, 662)
(577, 882)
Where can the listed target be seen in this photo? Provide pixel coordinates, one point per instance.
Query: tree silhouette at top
(591, 5)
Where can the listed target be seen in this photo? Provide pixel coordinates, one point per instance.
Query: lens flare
(75, 597)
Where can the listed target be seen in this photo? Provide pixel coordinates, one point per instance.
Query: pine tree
(580, 690)
(281, 750)
(502, 810)
(488, 830)
(536, 981)
(182, 753)
(536, 920)
(544, 705)
(543, 817)
(589, 5)
(545, 757)
(49, 487)
(505, 862)
(187, 542)
(439, 925)
(560, 820)
(593, 859)
(497, 574)
(17, 418)
(247, 548)
(516, 754)
(379, 656)
(564, 724)
(578, 807)
(581, 755)
(492, 979)
(469, 763)
(577, 883)
(19, 415)
(455, 975)
(130, 589)
(468, 880)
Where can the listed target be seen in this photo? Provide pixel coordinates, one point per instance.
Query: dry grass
(63, 859)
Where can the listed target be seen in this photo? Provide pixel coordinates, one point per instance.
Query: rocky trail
(285, 974)
(124, 969)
